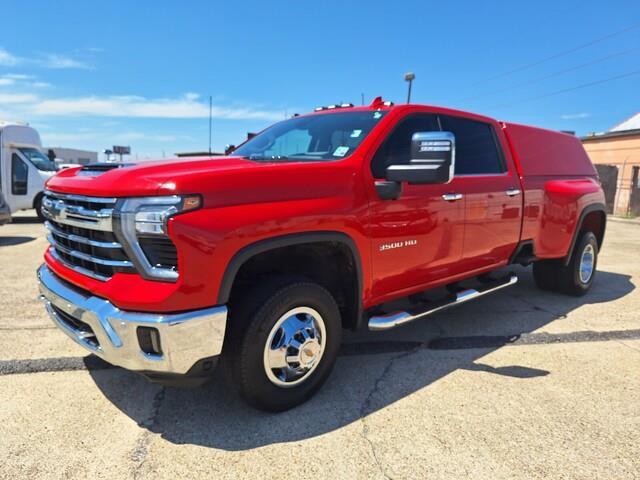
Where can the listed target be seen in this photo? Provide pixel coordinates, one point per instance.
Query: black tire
(249, 327)
(37, 205)
(555, 276)
(545, 274)
(570, 281)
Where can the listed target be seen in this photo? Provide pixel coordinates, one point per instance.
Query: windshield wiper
(260, 156)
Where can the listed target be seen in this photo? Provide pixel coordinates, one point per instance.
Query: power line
(561, 54)
(551, 75)
(536, 17)
(571, 89)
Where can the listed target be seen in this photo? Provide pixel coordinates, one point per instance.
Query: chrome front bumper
(185, 338)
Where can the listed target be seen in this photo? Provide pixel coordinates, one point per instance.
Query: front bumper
(112, 334)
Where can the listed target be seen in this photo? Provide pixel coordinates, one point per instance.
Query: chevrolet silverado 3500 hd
(262, 258)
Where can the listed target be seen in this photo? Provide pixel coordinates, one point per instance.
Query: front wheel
(283, 343)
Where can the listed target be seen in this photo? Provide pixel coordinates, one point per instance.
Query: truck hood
(142, 179)
(221, 180)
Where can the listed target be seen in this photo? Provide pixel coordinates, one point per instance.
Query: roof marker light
(333, 107)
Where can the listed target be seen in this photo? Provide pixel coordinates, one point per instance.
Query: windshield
(328, 136)
(39, 159)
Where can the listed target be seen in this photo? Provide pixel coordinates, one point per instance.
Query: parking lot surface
(521, 384)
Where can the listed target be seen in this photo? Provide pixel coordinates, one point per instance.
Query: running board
(392, 320)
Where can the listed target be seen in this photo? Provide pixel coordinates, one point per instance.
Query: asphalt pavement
(520, 384)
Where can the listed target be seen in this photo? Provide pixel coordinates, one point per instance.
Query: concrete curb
(632, 221)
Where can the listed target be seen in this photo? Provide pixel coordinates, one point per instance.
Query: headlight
(140, 220)
(152, 213)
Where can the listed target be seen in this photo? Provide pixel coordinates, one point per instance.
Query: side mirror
(228, 149)
(432, 159)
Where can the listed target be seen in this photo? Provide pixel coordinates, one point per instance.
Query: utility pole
(409, 77)
(362, 98)
(210, 120)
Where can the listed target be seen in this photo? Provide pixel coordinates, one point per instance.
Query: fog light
(149, 340)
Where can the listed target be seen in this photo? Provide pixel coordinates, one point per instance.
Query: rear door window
(477, 151)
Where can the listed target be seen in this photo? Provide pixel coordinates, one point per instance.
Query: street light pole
(409, 77)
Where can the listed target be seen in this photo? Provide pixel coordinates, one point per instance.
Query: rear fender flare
(595, 207)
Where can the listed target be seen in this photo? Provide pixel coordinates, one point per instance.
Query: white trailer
(24, 169)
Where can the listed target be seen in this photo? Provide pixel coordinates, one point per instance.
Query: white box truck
(23, 167)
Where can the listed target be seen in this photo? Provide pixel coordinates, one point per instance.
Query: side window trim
(499, 174)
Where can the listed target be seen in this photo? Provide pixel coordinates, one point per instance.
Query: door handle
(451, 197)
(512, 192)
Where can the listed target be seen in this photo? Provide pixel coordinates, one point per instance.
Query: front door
(416, 239)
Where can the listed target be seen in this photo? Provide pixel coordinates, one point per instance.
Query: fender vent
(160, 251)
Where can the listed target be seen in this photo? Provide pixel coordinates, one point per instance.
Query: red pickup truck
(315, 225)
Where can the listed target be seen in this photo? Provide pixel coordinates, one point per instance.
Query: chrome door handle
(451, 197)
(512, 192)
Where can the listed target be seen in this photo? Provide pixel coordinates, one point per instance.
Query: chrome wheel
(586, 263)
(294, 347)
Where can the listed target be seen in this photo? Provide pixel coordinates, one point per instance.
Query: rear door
(490, 186)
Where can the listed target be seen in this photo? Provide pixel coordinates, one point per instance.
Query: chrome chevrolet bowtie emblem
(55, 208)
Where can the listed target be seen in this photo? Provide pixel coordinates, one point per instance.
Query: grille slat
(59, 232)
(90, 213)
(81, 235)
(87, 257)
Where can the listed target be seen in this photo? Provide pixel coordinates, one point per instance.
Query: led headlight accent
(152, 220)
(148, 217)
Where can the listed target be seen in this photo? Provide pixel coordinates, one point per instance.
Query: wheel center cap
(309, 352)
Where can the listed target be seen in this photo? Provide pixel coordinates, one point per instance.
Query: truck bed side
(560, 186)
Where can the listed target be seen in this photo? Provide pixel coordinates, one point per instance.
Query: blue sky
(94, 74)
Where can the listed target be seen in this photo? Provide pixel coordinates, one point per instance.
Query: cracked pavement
(520, 384)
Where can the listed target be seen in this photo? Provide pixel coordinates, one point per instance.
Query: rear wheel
(546, 273)
(283, 343)
(577, 276)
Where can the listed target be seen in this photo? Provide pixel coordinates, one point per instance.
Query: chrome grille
(81, 234)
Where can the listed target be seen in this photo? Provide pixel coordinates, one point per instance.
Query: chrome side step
(392, 320)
